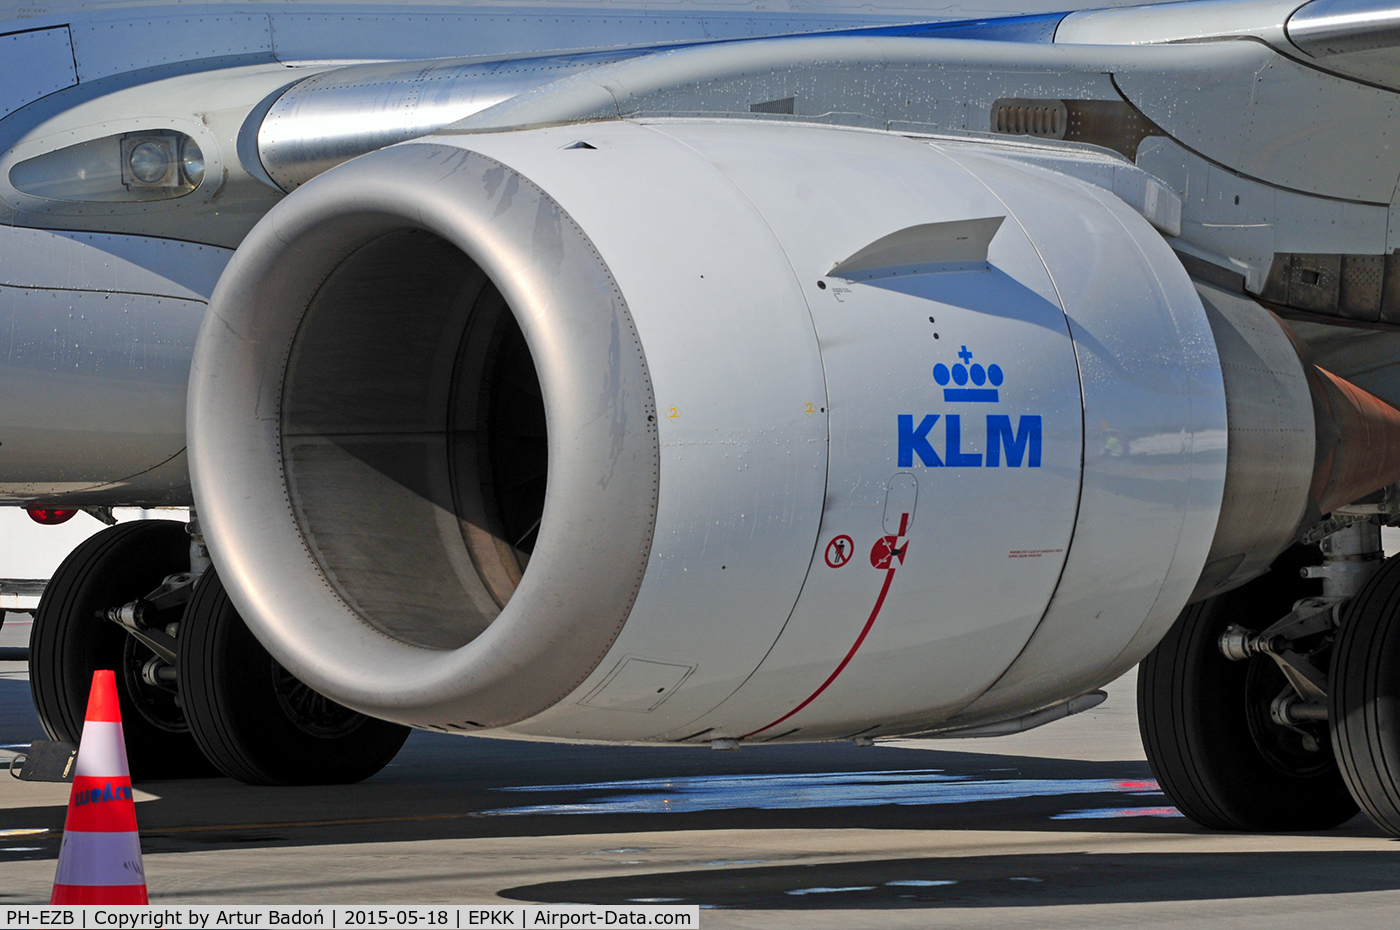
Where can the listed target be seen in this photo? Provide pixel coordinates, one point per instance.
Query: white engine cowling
(706, 429)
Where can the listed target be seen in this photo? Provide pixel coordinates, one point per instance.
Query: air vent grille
(1045, 119)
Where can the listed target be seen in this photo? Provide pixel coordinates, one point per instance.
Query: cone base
(99, 894)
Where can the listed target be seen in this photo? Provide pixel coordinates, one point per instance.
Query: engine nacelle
(698, 430)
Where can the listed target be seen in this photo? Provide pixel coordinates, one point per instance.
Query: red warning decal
(888, 552)
(839, 551)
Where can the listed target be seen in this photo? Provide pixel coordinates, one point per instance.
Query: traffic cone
(100, 859)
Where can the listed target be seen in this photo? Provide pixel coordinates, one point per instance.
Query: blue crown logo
(964, 372)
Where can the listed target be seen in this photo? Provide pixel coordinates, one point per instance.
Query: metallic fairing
(330, 118)
(1337, 27)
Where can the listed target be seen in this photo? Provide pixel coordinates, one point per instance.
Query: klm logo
(967, 382)
(1021, 442)
(961, 374)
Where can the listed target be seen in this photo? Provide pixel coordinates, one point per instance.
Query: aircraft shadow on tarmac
(444, 787)
(456, 787)
(992, 881)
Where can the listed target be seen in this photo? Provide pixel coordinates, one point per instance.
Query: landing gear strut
(1257, 723)
(199, 695)
(1231, 741)
(73, 637)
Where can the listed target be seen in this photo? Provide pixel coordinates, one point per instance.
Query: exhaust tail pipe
(1358, 442)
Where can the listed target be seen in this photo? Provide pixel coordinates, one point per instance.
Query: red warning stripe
(102, 699)
(99, 894)
(101, 805)
(865, 630)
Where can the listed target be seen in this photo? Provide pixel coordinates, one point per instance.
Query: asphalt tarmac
(1059, 827)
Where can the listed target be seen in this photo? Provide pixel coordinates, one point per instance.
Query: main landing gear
(1364, 705)
(1276, 706)
(72, 637)
(199, 694)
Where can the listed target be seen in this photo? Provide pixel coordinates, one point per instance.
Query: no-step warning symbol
(839, 551)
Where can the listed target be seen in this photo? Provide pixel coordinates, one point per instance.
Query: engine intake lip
(599, 515)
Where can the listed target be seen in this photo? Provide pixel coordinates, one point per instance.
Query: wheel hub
(311, 712)
(156, 701)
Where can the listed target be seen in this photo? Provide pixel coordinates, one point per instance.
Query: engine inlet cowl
(416, 378)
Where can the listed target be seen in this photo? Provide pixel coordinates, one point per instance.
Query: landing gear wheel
(1364, 706)
(71, 639)
(1206, 726)
(255, 721)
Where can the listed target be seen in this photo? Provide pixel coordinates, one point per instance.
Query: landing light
(150, 162)
(192, 161)
(164, 160)
(146, 165)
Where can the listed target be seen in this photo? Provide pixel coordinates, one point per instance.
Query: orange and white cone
(100, 859)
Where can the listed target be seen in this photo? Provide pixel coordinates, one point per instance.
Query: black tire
(1364, 696)
(1205, 720)
(71, 640)
(255, 721)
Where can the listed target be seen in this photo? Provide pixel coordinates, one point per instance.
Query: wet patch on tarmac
(450, 787)
(809, 790)
(1118, 813)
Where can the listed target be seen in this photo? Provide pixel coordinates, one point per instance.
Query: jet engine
(721, 430)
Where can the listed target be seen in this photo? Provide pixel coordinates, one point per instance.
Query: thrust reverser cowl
(594, 431)
(1302, 441)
